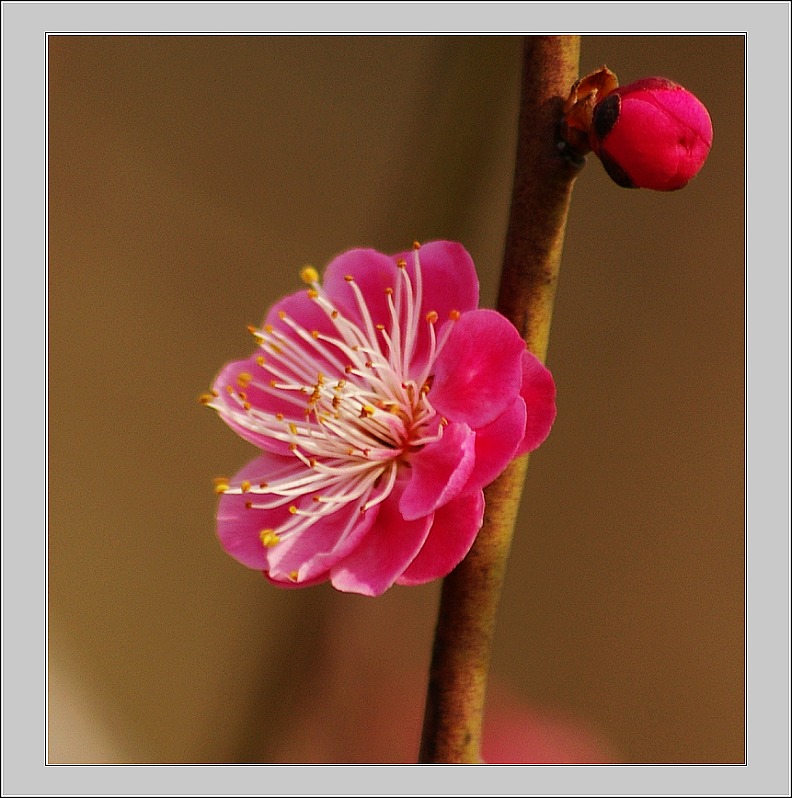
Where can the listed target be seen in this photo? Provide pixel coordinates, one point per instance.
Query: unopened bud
(651, 134)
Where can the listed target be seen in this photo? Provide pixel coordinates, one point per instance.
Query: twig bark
(543, 182)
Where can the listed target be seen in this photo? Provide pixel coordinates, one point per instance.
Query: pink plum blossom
(651, 134)
(382, 401)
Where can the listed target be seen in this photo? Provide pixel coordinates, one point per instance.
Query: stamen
(309, 275)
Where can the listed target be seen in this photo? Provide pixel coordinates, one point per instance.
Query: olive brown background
(190, 177)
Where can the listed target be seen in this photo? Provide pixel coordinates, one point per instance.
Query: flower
(383, 401)
(651, 134)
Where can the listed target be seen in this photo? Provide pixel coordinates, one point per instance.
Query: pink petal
(496, 445)
(449, 277)
(439, 471)
(385, 552)
(539, 392)
(478, 373)
(233, 389)
(449, 283)
(455, 527)
(239, 527)
(313, 552)
(310, 552)
(373, 273)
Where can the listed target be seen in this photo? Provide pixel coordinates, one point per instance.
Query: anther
(281, 314)
(229, 389)
(293, 509)
(312, 293)
(309, 275)
(432, 316)
(454, 315)
(268, 537)
(221, 487)
(416, 245)
(205, 398)
(261, 360)
(401, 263)
(349, 278)
(245, 486)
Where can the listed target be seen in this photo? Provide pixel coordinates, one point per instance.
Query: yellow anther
(416, 245)
(314, 334)
(293, 509)
(402, 264)
(268, 328)
(268, 537)
(229, 389)
(246, 405)
(366, 411)
(245, 486)
(432, 316)
(281, 314)
(252, 330)
(244, 379)
(312, 293)
(221, 487)
(292, 428)
(275, 348)
(294, 575)
(260, 360)
(205, 398)
(349, 278)
(380, 327)
(309, 275)
(454, 315)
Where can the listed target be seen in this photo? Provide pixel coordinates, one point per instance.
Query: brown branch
(540, 200)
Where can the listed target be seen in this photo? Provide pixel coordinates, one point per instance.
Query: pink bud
(651, 134)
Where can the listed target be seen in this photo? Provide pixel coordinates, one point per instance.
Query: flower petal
(496, 445)
(455, 527)
(310, 552)
(448, 275)
(384, 553)
(313, 552)
(372, 272)
(448, 284)
(539, 393)
(239, 526)
(243, 392)
(439, 471)
(478, 373)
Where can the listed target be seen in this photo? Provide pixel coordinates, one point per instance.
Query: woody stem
(543, 181)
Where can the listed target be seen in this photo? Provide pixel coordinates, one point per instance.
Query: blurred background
(190, 177)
